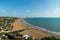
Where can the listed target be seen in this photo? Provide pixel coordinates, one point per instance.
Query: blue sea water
(52, 24)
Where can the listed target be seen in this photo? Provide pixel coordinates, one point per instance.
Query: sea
(47, 24)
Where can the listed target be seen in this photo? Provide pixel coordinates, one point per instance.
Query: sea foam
(40, 28)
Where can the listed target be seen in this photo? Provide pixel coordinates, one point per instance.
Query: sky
(30, 8)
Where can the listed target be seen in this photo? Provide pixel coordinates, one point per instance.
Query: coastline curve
(40, 28)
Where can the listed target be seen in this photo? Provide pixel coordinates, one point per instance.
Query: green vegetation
(31, 38)
(14, 35)
(50, 38)
(45, 38)
(6, 21)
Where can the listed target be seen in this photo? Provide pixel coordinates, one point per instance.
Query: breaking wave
(40, 28)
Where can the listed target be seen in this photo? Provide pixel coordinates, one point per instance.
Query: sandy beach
(29, 30)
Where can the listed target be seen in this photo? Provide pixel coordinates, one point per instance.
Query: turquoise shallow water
(52, 24)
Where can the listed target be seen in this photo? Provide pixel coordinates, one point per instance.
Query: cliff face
(19, 25)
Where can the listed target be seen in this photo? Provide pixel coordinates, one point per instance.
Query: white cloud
(52, 13)
(27, 11)
(57, 8)
(3, 11)
(14, 11)
(57, 11)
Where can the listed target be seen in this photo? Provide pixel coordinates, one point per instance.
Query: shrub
(50, 38)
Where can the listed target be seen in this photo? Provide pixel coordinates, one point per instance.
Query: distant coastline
(43, 29)
(31, 30)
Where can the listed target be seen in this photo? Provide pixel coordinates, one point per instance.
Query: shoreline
(43, 29)
(31, 30)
